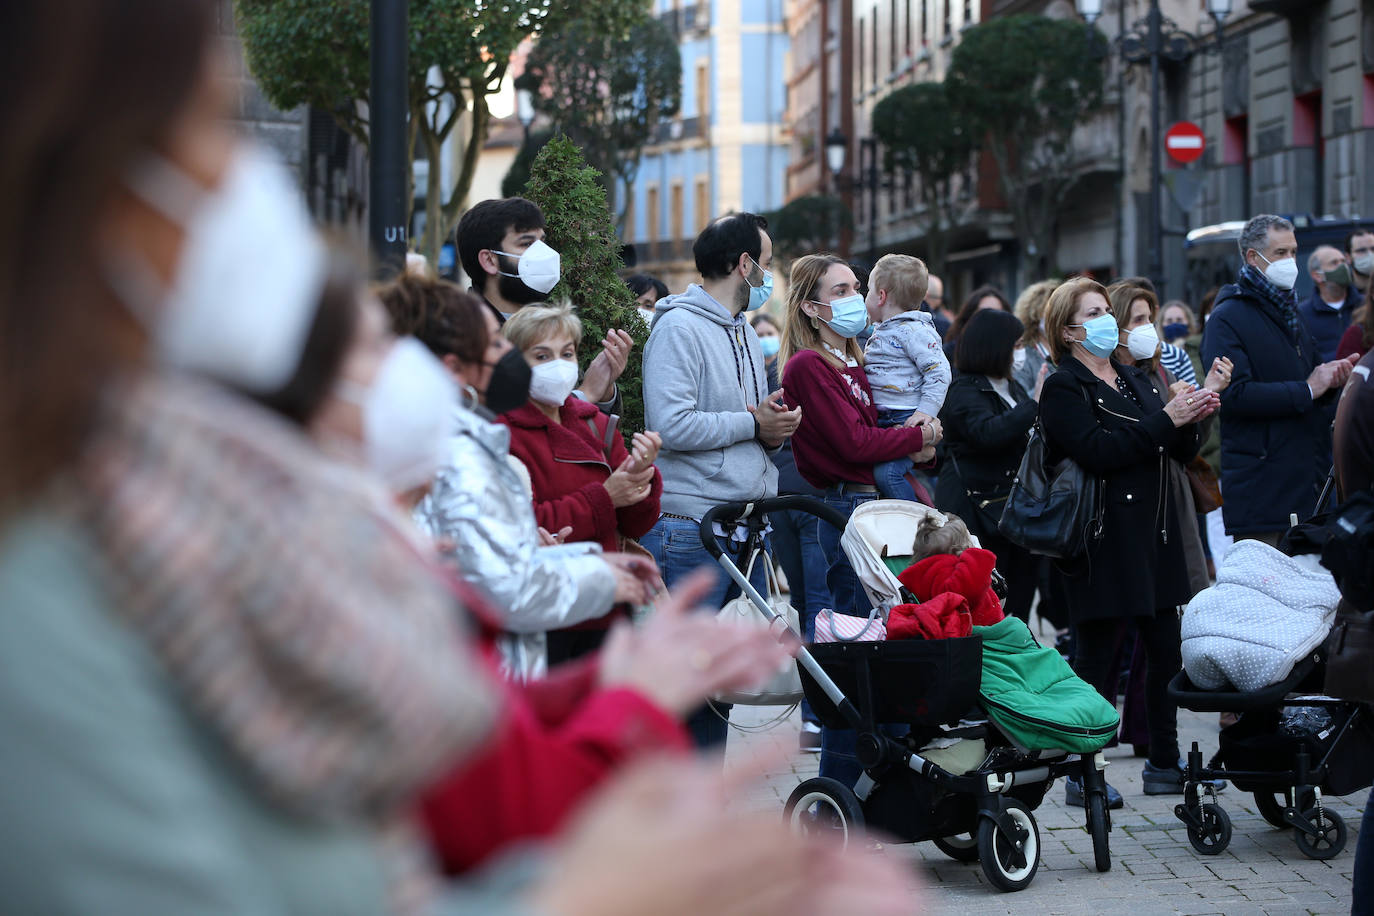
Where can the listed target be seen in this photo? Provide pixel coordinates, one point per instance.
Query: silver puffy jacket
(480, 514)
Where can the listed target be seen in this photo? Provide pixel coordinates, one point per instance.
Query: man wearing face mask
(1276, 413)
(501, 244)
(706, 393)
(1327, 312)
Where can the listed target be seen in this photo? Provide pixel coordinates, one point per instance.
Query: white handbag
(784, 687)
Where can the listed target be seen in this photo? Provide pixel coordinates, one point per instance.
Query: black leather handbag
(1052, 512)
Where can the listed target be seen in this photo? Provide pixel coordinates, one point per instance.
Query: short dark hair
(486, 224)
(764, 317)
(641, 283)
(439, 314)
(1358, 230)
(985, 346)
(720, 244)
(970, 308)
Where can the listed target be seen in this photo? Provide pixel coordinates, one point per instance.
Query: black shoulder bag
(1052, 511)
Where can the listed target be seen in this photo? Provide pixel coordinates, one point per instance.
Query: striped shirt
(1176, 360)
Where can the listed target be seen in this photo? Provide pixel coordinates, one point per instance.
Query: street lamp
(836, 148)
(1150, 39)
(867, 179)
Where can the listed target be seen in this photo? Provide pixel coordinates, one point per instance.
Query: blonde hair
(801, 331)
(934, 536)
(1030, 306)
(1188, 313)
(1063, 302)
(903, 277)
(534, 323)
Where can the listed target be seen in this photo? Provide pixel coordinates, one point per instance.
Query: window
(968, 12)
(703, 92)
(892, 37)
(925, 21)
(629, 235)
(703, 203)
(675, 227)
(651, 214)
(875, 47)
(948, 27)
(906, 47)
(862, 71)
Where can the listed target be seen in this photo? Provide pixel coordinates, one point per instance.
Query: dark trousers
(1098, 644)
(1021, 569)
(797, 548)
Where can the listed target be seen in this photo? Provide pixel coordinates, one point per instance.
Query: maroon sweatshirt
(839, 439)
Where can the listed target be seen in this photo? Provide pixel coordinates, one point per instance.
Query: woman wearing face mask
(1135, 311)
(648, 290)
(582, 476)
(1113, 420)
(478, 508)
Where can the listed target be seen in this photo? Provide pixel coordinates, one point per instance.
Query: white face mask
(1364, 263)
(407, 415)
(1283, 273)
(246, 289)
(553, 381)
(1143, 342)
(538, 267)
(1018, 357)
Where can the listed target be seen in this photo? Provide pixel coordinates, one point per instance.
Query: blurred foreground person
(222, 676)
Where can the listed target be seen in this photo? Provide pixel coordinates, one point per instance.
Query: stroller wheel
(1271, 805)
(825, 806)
(1215, 834)
(1010, 860)
(962, 847)
(1099, 823)
(1330, 838)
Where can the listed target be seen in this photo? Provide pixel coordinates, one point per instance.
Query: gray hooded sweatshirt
(703, 369)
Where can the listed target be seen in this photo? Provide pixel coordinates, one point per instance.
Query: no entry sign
(1184, 142)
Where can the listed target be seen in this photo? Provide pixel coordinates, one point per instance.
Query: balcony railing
(687, 19)
(678, 129)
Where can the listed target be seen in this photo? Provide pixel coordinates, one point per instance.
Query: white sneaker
(810, 739)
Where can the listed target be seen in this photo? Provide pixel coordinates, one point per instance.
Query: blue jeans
(837, 746)
(890, 476)
(797, 547)
(676, 548)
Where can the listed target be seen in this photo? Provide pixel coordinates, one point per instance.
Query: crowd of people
(323, 597)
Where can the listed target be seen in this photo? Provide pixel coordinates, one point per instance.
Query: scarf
(298, 624)
(1281, 303)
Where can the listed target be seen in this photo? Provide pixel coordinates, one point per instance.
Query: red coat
(943, 617)
(968, 574)
(568, 468)
(556, 741)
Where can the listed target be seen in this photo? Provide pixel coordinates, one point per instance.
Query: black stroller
(1288, 770)
(983, 813)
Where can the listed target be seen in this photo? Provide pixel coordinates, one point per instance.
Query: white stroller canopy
(881, 527)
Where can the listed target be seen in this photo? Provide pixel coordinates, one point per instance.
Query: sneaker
(810, 740)
(1169, 780)
(1073, 795)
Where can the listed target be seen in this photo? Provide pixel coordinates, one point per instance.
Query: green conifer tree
(580, 226)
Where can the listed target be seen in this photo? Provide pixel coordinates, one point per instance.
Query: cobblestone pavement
(1154, 869)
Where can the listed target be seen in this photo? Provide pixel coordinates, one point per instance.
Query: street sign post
(1184, 142)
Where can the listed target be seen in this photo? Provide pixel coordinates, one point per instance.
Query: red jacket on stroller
(968, 574)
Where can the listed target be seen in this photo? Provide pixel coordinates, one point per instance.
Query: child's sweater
(906, 365)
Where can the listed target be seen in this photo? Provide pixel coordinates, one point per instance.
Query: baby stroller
(1291, 747)
(1289, 769)
(961, 784)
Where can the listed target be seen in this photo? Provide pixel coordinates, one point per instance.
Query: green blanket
(1034, 697)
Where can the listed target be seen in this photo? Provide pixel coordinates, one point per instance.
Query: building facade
(729, 148)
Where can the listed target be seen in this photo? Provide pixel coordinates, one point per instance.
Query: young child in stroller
(951, 581)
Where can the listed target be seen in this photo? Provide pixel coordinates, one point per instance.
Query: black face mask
(509, 386)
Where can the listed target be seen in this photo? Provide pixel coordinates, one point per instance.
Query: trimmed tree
(808, 225)
(579, 226)
(922, 136)
(1024, 83)
(315, 52)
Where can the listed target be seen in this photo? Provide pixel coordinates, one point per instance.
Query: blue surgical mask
(758, 295)
(1175, 330)
(770, 346)
(848, 316)
(1103, 335)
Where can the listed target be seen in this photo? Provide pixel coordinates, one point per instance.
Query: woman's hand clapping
(1191, 404)
(627, 486)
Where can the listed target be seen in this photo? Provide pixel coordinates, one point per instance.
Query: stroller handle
(755, 515)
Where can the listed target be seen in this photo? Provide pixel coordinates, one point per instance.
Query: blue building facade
(728, 148)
